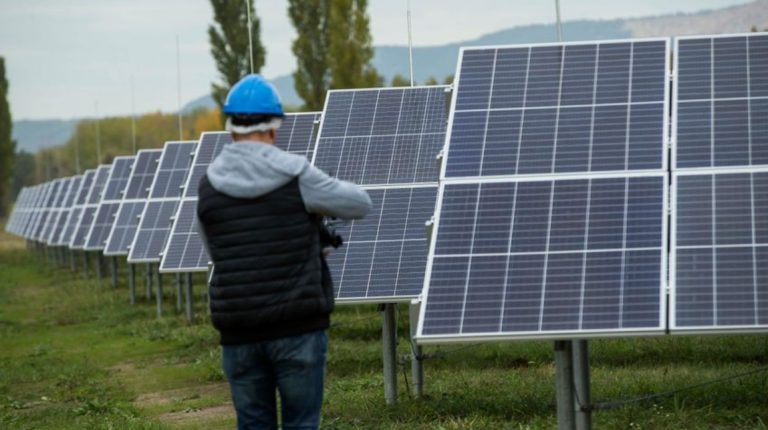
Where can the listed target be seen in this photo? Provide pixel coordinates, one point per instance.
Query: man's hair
(248, 120)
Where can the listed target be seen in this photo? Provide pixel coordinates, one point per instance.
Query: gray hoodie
(249, 169)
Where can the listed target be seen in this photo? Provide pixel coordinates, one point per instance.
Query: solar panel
(26, 221)
(387, 140)
(297, 133)
(719, 243)
(90, 207)
(55, 220)
(127, 218)
(185, 251)
(46, 210)
(172, 172)
(73, 218)
(143, 172)
(382, 136)
(66, 208)
(164, 196)
(560, 108)
(124, 228)
(110, 202)
(551, 219)
(153, 230)
(721, 109)
(18, 211)
(209, 146)
(720, 251)
(384, 254)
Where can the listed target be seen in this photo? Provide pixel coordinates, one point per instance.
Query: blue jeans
(294, 366)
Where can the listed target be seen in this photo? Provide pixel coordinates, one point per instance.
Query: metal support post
(149, 281)
(564, 385)
(72, 262)
(208, 278)
(85, 264)
(389, 337)
(179, 287)
(132, 283)
(114, 272)
(188, 296)
(417, 365)
(98, 269)
(159, 293)
(582, 399)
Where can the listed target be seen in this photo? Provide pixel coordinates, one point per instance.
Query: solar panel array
(386, 140)
(551, 207)
(114, 189)
(164, 197)
(552, 212)
(128, 214)
(719, 250)
(185, 251)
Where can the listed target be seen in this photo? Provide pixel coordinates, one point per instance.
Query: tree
(333, 48)
(350, 49)
(312, 76)
(229, 44)
(23, 172)
(7, 145)
(431, 81)
(400, 81)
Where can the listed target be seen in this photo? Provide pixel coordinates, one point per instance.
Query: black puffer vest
(270, 278)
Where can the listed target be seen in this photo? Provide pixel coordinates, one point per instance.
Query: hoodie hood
(249, 169)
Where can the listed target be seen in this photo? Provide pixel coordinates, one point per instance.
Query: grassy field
(74, 355)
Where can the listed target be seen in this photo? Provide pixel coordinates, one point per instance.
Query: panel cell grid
(721, 251)
(565, 108)
(185, 251)
(154, 226)
(143, 173)
(102, 224)
(99, 180)
(209, 147)
(382, 136)
(118, 178)
(124, 229)
(721, 114)
(384, 254)
(548, 257)
(171, 174)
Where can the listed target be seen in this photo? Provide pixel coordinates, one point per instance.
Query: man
(259, 212)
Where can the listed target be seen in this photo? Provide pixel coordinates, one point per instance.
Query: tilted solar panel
(386, 140)
(67, 206)
(718, 258)
(110, 202)
(73, 218)
(551, 219)
(382, 136)
(87, 217)
(129, 213)
(164, 197)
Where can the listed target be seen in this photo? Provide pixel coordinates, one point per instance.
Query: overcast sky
(66, 58)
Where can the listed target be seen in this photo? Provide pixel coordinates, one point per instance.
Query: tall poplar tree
(350, 50)
(312, 76)
(229, 44)
(333, 49)
(7, 145)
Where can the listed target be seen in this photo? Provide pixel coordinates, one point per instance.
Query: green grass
(74, 355)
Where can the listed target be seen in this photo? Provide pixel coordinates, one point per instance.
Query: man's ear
(273, 134)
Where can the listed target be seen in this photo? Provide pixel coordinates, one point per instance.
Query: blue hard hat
(253, 95)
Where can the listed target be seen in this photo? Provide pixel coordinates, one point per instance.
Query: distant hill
(33, 135)
(440, 61)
